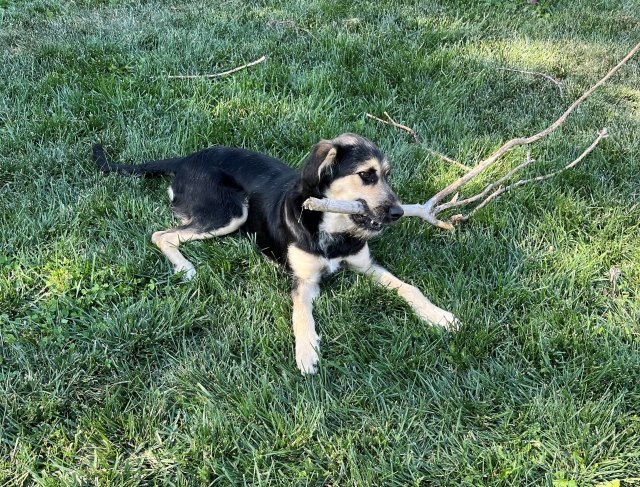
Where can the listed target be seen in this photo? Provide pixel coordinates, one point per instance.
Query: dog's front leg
(425, 309)
(307, 270)
(304, 329)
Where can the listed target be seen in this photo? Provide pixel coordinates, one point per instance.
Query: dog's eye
(368, 177)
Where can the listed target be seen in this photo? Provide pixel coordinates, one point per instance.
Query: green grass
(113, 372)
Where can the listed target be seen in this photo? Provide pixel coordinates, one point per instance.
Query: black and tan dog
(220, 190)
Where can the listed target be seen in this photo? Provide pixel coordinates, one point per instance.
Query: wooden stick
(391, 121)
(334, 206)
(217, 75)
(601, 135)
(416, 138)
(455, 202)
(431, 205)
(555, 81)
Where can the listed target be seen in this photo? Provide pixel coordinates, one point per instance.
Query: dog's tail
(153, 168)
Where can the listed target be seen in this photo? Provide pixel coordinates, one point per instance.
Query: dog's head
(352, 168)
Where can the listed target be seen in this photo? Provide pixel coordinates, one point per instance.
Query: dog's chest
(337, 246)
(332, 265)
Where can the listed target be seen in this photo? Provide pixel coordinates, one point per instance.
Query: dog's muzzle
(373, 221)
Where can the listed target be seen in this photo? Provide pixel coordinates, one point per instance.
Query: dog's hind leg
(168, 241)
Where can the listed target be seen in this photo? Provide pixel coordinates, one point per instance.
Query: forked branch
(355, 207)
(430, 210)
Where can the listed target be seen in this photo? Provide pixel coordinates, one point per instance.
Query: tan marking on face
(369, 164)
(351, 187)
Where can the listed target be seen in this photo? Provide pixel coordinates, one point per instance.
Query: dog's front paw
(307, 354)
(189, 272)
(435, 316)
(447, 321)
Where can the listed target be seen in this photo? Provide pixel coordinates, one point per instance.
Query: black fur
(211, 186)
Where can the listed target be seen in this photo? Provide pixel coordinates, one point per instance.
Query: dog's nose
(395, 212)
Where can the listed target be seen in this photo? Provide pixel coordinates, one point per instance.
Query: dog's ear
(322, 157)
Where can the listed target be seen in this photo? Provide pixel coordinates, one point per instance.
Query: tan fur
(307, 270)
(328, 161)
(350, 188)
(168, 242)
(425, 309)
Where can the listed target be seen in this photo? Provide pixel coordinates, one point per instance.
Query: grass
(113, 372)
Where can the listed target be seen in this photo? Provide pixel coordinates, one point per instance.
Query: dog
(221, 190)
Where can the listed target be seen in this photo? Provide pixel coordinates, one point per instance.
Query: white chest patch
(333, 264)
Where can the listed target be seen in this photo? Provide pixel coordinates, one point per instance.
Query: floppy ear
(322, 157)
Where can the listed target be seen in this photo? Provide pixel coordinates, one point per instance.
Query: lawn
(115, 372)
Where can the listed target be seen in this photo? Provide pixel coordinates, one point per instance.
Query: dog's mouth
(367, 222)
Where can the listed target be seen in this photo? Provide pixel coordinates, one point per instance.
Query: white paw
(448, 321)
(307, 354)
(439, 317)
(189, 272)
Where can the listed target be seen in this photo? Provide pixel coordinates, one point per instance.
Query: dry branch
(429, 211)
(217, 75)
(334, 206)
(601, 135)
(431, 208)
(416, 138)
(555, 81)
(391, 121)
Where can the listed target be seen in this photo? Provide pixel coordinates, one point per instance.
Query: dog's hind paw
(307, 355)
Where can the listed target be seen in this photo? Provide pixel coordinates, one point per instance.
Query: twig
(448, 159)
(416, 138)
(217, 75)
(466, 201)
(391, 121)
(333, 206)
(601, 135)
(555, 81)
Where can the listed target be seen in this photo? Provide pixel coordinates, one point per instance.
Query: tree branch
(601, 135)
(429, 210)
(555, 81)
(217, 75)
